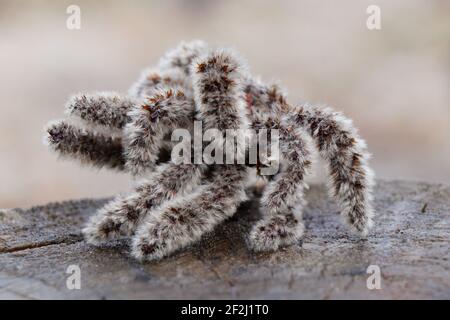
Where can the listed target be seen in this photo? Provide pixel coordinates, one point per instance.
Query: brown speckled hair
(174, 204)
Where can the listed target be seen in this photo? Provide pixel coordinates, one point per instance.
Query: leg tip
(270, 236)
(54, 133)
(92, 236)
(145, 250)
(97, 232)
(360, 227)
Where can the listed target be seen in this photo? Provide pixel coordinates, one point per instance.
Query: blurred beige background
(394, 82)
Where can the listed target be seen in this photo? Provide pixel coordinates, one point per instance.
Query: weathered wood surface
(410, 243)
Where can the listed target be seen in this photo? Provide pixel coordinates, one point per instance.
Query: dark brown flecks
(201, 67)
(154, 78)
(172, 218)
(212, 60)
(131, 213)
(249, 100)
(109, 227)
(356, 160)
(148, 248)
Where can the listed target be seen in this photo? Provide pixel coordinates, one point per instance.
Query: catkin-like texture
(178, 203)
(220, 98)
(106, 109)
(351, 179)
(173, 70)
(220, 104)
(264, 100)
(219, 91)
(87, 146)
(121, 216)
(153, 80)
(183, 56)
(282, 200)
(150, 122)
(184, 220)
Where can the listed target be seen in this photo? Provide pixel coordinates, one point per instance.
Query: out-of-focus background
(394, 82)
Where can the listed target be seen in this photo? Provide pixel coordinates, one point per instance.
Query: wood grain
(410, 243)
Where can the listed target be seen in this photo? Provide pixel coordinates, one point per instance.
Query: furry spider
(179, 202)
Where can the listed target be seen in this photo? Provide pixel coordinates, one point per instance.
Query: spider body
(179, 202)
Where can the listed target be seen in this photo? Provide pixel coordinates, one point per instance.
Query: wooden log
(410, 243)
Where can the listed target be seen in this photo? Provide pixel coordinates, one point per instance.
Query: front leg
(85, 145)
(184, 220)
(106, 109)
(121, 216)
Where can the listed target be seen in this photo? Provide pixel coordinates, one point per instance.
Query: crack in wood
(408, 245)
(34, 245)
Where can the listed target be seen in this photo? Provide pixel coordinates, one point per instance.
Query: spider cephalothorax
(179, 202)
